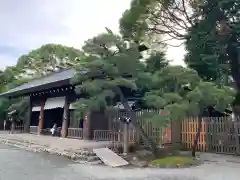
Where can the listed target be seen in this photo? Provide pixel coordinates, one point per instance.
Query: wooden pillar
(41, 118)
(65, 121)
(12, 125)
(175, 132)
(86, 126)
(29, 115)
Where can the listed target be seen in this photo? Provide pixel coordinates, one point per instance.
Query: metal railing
(33, 129)
(47, 131)
(19, 128)
(75, 133)
(109, 135)
(103, 135)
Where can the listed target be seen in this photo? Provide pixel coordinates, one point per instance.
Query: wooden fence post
(176, 133)
(236, 137)
(125, 137)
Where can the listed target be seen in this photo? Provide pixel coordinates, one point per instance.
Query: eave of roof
(55, 79)
(52, 78)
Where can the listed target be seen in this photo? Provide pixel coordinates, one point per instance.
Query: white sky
(28, 24)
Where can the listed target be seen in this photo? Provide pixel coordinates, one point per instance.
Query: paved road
(18, 164)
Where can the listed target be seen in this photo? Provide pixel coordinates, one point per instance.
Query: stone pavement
(17, 164)
(55, 142)
(39, 166)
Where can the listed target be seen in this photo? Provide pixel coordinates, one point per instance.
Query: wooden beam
(65, 120)
(41, 117)
(86, 126)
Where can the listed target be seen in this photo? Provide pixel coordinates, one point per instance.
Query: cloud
(7, 60)
(28, 24)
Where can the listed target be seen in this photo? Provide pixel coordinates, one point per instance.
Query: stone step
(110, 158)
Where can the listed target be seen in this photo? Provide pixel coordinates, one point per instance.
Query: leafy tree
(4, 104)
(105, 62)
(48, 58)
(113, 65)
(166, 18)
(209, 94)
(180, 92)
(8, 75)
(212, 41)
(210, 29)
(20, 107)
(156, 61)
(169, 89)
(17, 104)
(8, 78)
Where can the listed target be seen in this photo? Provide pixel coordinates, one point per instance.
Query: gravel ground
(17, 164)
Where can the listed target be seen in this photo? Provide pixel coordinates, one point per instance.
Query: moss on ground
(174, 161)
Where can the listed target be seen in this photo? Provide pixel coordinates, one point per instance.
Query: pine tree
(112, 64)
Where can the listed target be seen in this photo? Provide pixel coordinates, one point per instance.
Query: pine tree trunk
(148, 142)
(194, 147)
(13, 127)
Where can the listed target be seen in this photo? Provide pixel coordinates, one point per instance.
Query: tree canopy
(48, 58)
(156, 61)
(106, 59)
(209, 29)
(167, 19)
(212, 42)
(112, 64)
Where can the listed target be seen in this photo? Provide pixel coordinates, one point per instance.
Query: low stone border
(81, 156)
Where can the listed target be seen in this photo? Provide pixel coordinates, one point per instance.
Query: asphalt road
(16, 164)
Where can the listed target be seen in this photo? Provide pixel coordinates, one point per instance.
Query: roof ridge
(54, 72)
(47, 75)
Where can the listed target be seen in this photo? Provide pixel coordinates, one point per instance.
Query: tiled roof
(51, 78)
